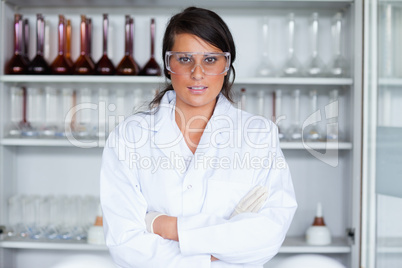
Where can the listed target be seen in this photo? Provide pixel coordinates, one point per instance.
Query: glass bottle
(292, 65)
(315, 67)
(312, 131)
(84, 65)
(105, 66)
(265, 68)
(64, 121)
(16, 111)
(338, 66)
(127, 65)
(102, 122)
(32, 116)
(152, 67)
(26, 40)
(332, 113)
(39, 65)
(88, 34)
(60, 65)
(82, 127)
(17, 64)
(51, 113)
(295, 131)
(68, 43)
(277, 113)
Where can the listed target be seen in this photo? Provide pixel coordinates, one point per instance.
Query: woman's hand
(166, 227)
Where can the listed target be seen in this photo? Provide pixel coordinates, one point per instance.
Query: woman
(195, 182)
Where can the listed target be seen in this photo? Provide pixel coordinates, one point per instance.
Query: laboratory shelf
(290, 245)
(101, 143)
(396, 82)
(93, 79)
(389, 245)
(299, 245)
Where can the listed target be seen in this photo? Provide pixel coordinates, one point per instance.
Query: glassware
(25, 126)
(105, 66)
(152, 67)
(17, 64)
(83, 127)
(315, 67)
(89, 39)
(34, 115)
(261, 102)
(68, 43)
(84, 64)
(312, 132)
(243, 99)
(121, 106)
(14, 216)
(332, 108)
(292, 66)
(339, 65)
(39, 65)
(295, 131)
(127, 65)
(103, 102)
(50, 127)
(60, 64)
(277, 113)
(26, 40)
(16, 111)
(46, 48)
(265, 69)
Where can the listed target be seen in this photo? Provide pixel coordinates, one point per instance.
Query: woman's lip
(197, 89)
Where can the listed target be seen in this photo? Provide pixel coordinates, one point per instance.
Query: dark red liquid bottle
(39, 65)
(26, 40)
(127, 65)
(60, 65)
(84, 64)
(68, 43)
(105, 66)
(17, 64)
(152, 68)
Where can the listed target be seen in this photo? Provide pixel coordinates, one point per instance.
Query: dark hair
(208, 26)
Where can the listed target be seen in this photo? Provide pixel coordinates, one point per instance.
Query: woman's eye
(184, 59)
(210, 60)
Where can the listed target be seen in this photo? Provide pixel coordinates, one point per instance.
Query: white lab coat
(142, 171)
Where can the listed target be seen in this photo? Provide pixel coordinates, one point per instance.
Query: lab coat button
(189, 186)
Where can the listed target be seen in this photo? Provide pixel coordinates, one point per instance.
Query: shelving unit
(25, 160)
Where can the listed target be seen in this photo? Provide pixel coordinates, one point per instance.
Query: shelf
(389, 245)
(101, 143)
(291, 245)
(395, 82)
(93, 79)
(299, 245)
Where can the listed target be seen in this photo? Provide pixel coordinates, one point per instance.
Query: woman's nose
(197, 73)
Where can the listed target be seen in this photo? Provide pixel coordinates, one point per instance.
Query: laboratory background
(328, 73)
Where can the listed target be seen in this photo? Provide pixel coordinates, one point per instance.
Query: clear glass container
(338, 66)
(16, 112)
(278, 115)
(295, 131)
(292, 67)
(83, 126)
(51, 127)
(312, 132)
(332, 114)
(265, 68)
(315, 66)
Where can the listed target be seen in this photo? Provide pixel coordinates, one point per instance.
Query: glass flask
(25, 46)
(68, 43)
(292, 66)
(295, 131)
(16, 111)
(50, 127)
(64, 122)
(278, 115)
(89, 39)
(34, 111)
(84, 64)
(17, 64)
(39, 65)
(312, 131)
(14, 216)
(102, 123)
(260, 102)
(265, 68)
(105, 66)
(82, 125)
(46, 46)
(315, 66)
(332, 109)
(152, 67)
(60, 64)
(25, 126)
(339, 65)
(127, 65)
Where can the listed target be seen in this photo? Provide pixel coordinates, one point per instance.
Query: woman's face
(195, 90)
